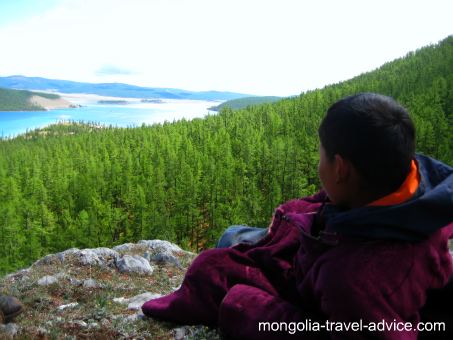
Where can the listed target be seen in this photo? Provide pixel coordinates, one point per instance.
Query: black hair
(375, 134)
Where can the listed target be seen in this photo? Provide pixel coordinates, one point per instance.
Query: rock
(163, 247)
(9, 330)
(46, 260)
(105, 252)
(134, 264)
(24, 278)
(125, 247)
(90, 283)
(136, 302)
(165, 259)
(75, 282)
(47, 280)
(69, 305)
(180, 333)
(120, 300)
(96, 256)
(51, 279)
(80, 323)
(62, 255)
(135, 317)
(55, 258)
(88, 257)
(21, 275)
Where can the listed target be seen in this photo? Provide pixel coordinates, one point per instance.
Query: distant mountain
(112, 89)
(241, 103)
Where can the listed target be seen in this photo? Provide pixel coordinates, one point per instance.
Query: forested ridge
(242, 103)
(84, 186)
(19, 100)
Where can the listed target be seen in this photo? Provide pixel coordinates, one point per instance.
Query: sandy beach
(51, 104)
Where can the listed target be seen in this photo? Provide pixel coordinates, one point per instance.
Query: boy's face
(340, 180)
(328, 171)
(325, 171)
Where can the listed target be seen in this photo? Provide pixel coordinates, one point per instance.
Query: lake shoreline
(14, 123)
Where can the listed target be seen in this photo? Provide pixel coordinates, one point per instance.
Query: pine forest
(84, 185)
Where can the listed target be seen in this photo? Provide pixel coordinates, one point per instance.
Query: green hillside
(85, 186)
(242, 103)
(19, 100)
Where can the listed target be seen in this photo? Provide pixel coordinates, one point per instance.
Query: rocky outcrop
(98, 293)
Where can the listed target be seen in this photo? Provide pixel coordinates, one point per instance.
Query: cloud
(268, 47)
(20, 10)
(112, 70)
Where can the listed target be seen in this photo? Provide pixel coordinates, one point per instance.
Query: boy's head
(367, 145)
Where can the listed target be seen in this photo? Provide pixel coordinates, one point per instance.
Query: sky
(260, 47)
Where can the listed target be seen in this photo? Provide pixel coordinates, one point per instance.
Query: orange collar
(405, 191)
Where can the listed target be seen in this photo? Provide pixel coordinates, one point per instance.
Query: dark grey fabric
(240, 234)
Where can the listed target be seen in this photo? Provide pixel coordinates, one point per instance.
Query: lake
(133, 114)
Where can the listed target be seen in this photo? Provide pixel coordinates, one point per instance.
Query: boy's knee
(241, 234)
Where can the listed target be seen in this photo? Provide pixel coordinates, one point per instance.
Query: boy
(366, 249)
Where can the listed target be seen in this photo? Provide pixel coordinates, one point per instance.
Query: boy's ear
(342, 169)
